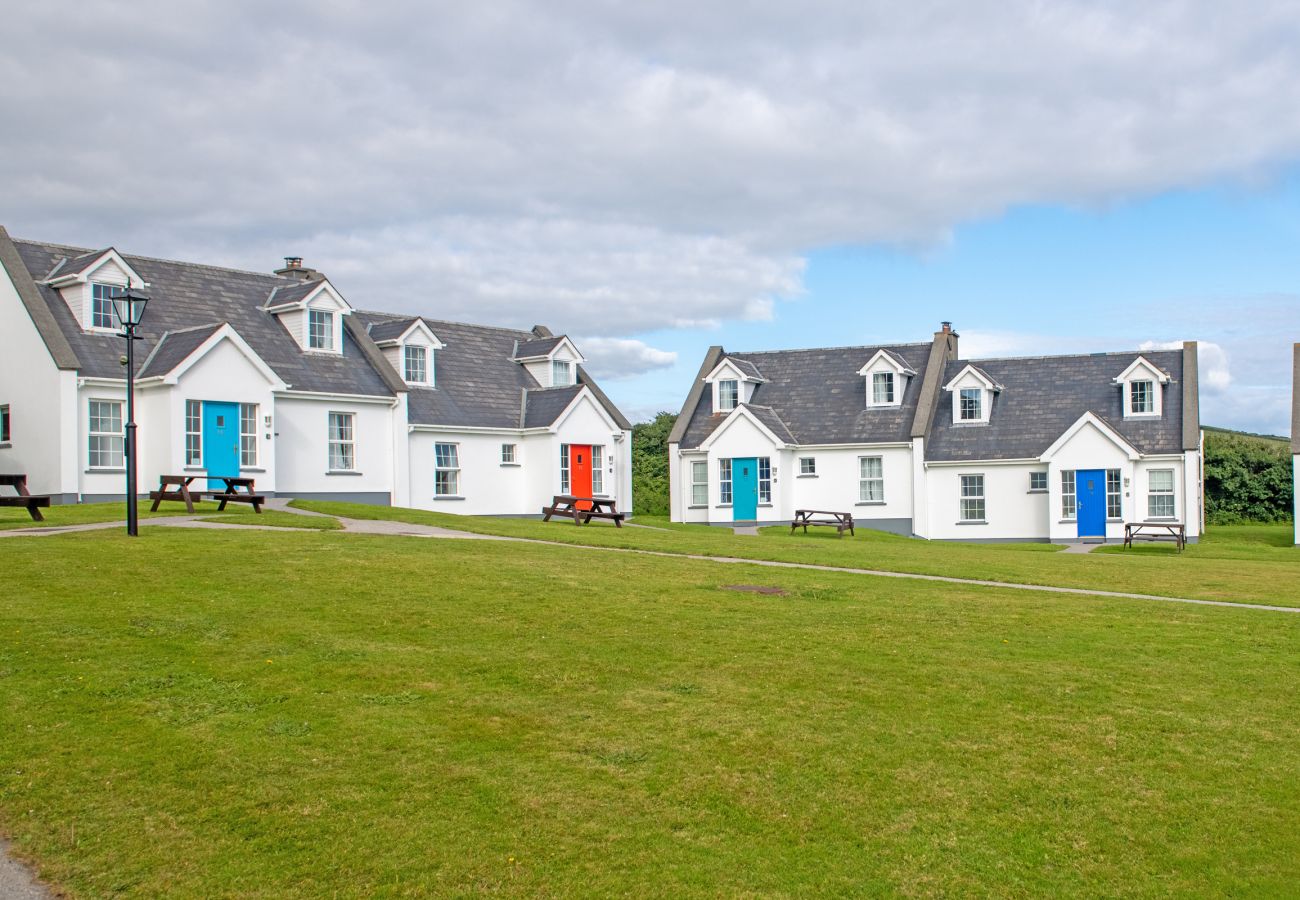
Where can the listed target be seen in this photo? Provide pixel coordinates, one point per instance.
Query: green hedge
(1247, 478)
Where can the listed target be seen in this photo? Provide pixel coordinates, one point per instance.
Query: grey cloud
(615, 358)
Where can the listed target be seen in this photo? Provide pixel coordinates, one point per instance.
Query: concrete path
(1077, 547)
(17, 881)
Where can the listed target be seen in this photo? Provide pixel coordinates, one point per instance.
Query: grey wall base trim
(893, 526)
(373, 498)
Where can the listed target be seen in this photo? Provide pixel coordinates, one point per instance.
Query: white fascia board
(1141, 362)
(338, 304)
(226, 333)
(477, 429)
(736, 414)
(968, 463)
(1084, 420)
(404, 337)
(289, 393)
(85, 275)
(578, 358)
(716, 374)
(554, 427)
(983, 379)
(894, 363)
(875, 445)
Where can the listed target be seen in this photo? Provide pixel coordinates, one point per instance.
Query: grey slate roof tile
(543, 406)
(771, 421)
(748, 368)
(536, 347)
(390, 330)
(174, 347)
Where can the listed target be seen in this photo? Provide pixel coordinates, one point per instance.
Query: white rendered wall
(836, 484)
(31, 385)
(1295, 479)
(1011, 511)
(99, 482)
(301, 446)
(1090, 448)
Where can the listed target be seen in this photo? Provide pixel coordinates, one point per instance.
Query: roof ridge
(429, 321)
(744, 353)
(1135, 352)
(81, 251)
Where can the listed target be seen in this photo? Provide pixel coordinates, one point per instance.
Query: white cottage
(277, 377)
(915, 440)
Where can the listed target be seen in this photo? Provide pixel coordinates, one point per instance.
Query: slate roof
(390, 330)
(76, 265)
(536, 347)
(897, 360)
(185, 295)
(295, 291)
(819, 397)
(771, 421)
(174, 347)
(542, 407)
(1043, 396)
(748, 368)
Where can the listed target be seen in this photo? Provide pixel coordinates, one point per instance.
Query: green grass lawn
(245, 713)
(1268, 569)
(91, 513)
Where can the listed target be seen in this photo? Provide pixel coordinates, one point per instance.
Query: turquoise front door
(220, 442)
(1090, 489)
(744, 489)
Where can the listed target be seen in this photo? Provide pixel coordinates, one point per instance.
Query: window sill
(1150, 415)
(723, 506)
(252, 469)
(349, 472)
(973, 522)
(512, 465)
(5, 445)
(805, 476)
(871, 503)
(969, 424)
(1036, 491)
(193, 469)
(1163, 520)
(439, 498)
(764, 506)
(1068, 522)
(705, 506)
(93, 471)
(1114, 520)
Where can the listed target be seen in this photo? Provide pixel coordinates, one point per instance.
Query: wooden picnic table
(238, 490)
(583, 509)
(1156, 531)
(840, 521)
(32, 502)
(174, 487)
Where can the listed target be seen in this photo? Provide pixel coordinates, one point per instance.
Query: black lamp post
(128, 307)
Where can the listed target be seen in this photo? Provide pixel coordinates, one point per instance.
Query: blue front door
(1090, 489)
(220, 442)
(744, 489)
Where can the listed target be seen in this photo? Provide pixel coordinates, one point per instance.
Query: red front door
(580, 472)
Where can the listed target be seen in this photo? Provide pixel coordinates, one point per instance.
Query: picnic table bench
(840, 521)
(174, 487)
(1155, 531)
(583, 509)
(238, 490)
(33, 502)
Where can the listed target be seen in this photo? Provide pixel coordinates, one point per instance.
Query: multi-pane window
(597, 469)
(4, 423)
(764, 480)
(564, 468)
(699, 483)
(106, 439)
(1142, 397)
(101, 305)
(972, 498)
(446, 470)
(1038, 481)
(343, 456)
(416, 365)
(507, 454)
(882, 388)
(1069, 499)
(728, 394)
(871, 479)
(1114, 500)
(193, 433)
(807, 465)
(320, 329)
(248, 434)
(724, 481)
(972, 404)
(560, 373)
(1160, 494)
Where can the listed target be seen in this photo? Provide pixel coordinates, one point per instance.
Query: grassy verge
(363, 715)
(93, 513)
(1267, 572)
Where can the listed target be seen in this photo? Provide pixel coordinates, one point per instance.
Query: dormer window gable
(311, 311)
(887, 376)
(733, 382)
(1142, 389)
(552, 361)
(410, 346)
(88, 284)
(972, 392)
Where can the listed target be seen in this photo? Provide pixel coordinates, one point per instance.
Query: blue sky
(1218, 264)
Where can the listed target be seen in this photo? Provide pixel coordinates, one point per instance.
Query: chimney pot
(947, 327)
(293, 262)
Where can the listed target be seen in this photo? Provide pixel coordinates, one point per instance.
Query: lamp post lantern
(128, 307)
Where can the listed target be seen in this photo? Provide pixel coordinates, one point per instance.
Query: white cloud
(615, 358)
(614, 167)
(1215, 375)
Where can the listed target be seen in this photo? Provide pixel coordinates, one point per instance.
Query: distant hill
(1247, 477)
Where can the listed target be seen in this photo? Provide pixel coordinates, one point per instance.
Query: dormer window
(972, 405)
(101, 305)
(1141, 398)
(560, 373)
(416, 368)
(1140, 389)
(728, 394)
(882, 388)
(972, 396)
(320, 329)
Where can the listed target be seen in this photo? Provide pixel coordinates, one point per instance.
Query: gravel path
(17, 881)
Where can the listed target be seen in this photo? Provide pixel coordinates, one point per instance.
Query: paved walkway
(17, 881)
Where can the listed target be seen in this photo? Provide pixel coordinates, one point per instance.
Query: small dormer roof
(983, 377)
(399, 331)
(1142, 362)
(895, 361)
(741, 367)
(80, 269)
(301, 294)
(545, 348)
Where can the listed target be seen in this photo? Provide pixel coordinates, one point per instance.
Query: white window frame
(101, 293)
(976, 396)
(100, 442)
(764, 479)
(342, 441)
(565, 480)
(1114, 494)
(886, 383)
(509, 454)
(1069, 495)
(728, 397)
(807, 466)
(724, 482)
(446, 469)
(415, 370)
(871, 479)
(1148, 395)
(561, 373)
(6, 424)
(699, 482)
(598, 470)
(1161, 494)
(325, 333)
(193, 433)
(1034, 486)
(248, 449)
(972, 501)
